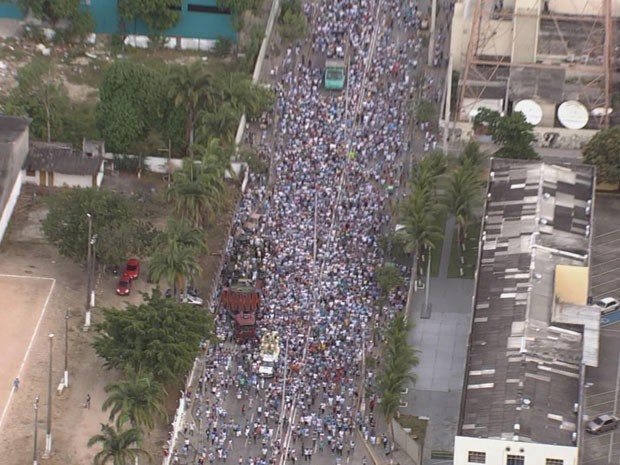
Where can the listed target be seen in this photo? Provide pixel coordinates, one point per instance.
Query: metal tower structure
(554, 50)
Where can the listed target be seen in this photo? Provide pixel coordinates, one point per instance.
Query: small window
(476, 457)
(515, 460)
(30, 172)
(206, 9)
(554, 462)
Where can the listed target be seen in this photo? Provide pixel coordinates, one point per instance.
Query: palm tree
(138, 399)
(214, 156)
(472, 156)
(118, 447)
(192, 87)
(180, 232)
(462, 192)
(395, 373)
(197, 192)
(420, 215)
(175, 264)
(222, 122)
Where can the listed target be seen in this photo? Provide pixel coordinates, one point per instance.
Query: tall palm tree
(222, 123)
(180, 232)
(192, 87)
(175, 264)
(461, 195)
(196, 191)
(118, 447)
(395, 373)
(138, 399)
(420, 215)
(472, 156)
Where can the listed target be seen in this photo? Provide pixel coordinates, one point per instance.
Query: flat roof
(11, 127)
(523, 370)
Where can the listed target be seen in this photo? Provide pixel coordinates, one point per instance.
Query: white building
(52, 164)
(532, 333)
(14, 138)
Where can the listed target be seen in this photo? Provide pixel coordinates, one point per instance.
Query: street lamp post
(66, 380)
(88, 274)
(48, 434)
(36, 426)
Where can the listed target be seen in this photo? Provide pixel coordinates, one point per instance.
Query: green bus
(335, 74)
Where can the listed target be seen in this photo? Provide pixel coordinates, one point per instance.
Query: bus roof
(334, 64)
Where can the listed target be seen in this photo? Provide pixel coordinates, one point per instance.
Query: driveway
(603, 382)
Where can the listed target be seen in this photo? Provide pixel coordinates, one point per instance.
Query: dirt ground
(24, 252)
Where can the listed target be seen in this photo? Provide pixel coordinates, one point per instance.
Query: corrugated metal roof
(523, 373)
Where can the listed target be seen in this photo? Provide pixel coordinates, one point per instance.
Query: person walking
(16, 384)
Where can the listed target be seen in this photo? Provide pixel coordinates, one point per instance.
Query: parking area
(603, 382)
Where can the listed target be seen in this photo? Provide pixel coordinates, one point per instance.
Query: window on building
(476, 457)
(30, 172)
(515, 460)
(554, 462)
(206, 9)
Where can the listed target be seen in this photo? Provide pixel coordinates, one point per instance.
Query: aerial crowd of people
(337, 161)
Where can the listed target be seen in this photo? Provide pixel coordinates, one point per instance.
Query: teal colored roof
(10, 10)
(195, 25)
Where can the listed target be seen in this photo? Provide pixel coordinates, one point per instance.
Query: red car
(132, 269)
(124, 285)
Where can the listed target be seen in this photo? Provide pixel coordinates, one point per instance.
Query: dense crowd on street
(336, 161)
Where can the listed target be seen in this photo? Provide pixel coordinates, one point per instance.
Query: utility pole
(48, 434)
(35, 461)
(66, 379)
(431, 42)
(88, 274)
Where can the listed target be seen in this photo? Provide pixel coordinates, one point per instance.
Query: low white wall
(10, 205)
(409, 445)
(497, 451)
(71, 180)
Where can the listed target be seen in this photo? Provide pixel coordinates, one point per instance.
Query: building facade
(532, 331)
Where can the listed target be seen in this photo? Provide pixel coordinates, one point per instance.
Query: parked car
(124, 285)
(602, 423)
(607, 305)
(191, 291)
(132, 269)
(191, 299)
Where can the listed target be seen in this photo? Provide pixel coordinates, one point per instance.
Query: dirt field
(23, 302)
(24, 253)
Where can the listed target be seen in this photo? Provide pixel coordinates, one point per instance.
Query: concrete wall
(546, 137)
(409, 445)
(12, 157)
(62, 180)
(497, 451)
(582, 7)
(7, 212)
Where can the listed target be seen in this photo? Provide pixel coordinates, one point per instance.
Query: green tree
(159, 336)
(196, 192)
(292, 21)
(114, 221)
(191, 87)
(130, 101)
(138, 399)
(398, 359)
(388, 278)
(41, 96)
(512, 132)
(603, 151)
(177, 253)
(118, 446)
(49, 10)
(472, 157)
(158, 15)
(425, 111)
(463, 193)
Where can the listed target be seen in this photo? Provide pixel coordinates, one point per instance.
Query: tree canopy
(129, 103)
(160, 336)
(512, 132)
(603, 151)
(158, 15)
(119, 234)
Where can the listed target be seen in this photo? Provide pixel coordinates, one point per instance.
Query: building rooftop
(11, 127)
(61, 158)
(523, 368)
